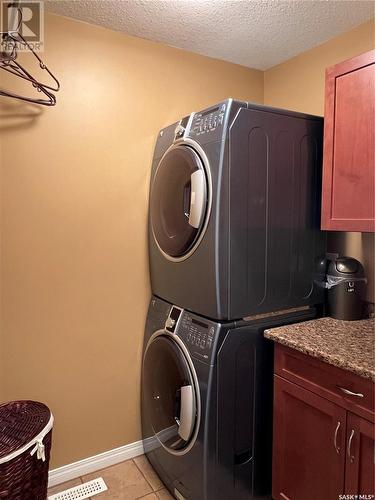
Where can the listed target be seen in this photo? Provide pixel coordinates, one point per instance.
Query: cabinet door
(360, 461)
(348, 202)
(309, 445)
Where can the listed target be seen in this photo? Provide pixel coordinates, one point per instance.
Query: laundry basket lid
(20, 423)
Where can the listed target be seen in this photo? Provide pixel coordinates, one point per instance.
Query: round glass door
(169, 394)
(178, 202)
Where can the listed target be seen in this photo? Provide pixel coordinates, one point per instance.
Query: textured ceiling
(254, 33)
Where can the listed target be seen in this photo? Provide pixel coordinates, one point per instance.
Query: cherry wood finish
(348, 198)
(322, 445)
(325, 380)
(360, 466)
(308, 462)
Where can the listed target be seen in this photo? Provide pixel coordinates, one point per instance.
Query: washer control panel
(199, 335)
(209, 123)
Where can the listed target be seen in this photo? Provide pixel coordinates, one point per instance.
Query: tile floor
(130, 480)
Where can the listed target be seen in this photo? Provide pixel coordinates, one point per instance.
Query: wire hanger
(9, 43)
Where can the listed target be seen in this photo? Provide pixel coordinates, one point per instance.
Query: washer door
(170, 394)
(179, 201)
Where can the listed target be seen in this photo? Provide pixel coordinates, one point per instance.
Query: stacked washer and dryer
(235, 248)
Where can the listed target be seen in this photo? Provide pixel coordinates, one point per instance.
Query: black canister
(346, 283)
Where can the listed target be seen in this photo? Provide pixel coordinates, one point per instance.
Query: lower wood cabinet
(306, 464)
(321, 450)
(360, 459)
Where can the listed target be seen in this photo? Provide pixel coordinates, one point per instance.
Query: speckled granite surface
(347, 344)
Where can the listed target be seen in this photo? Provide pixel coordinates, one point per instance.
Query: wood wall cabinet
(348, 195)
(323, 447)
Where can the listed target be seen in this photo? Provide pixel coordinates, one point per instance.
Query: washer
(234, 211)
(207, 402)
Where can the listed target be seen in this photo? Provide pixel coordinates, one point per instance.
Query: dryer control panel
(199, 335)
(208, 124)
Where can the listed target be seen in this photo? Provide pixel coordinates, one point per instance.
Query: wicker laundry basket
(25, 444)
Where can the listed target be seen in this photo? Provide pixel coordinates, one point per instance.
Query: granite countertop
(350, 345)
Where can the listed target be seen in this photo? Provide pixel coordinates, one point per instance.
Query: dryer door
(179, 201)
(170, 394)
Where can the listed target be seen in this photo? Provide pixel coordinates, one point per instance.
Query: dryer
(234, 212)
(207, 402)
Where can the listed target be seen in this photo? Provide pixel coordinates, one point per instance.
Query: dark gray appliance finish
(216, 443)
(251, 241)
(347, 289)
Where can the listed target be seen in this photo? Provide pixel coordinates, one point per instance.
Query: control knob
(179, 131)
(170, 323)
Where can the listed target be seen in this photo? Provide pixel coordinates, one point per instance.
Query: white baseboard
(92, 464)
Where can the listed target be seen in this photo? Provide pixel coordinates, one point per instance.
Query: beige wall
(298, 84)
(74, 202)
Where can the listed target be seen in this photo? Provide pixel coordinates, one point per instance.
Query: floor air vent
(82, 491)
